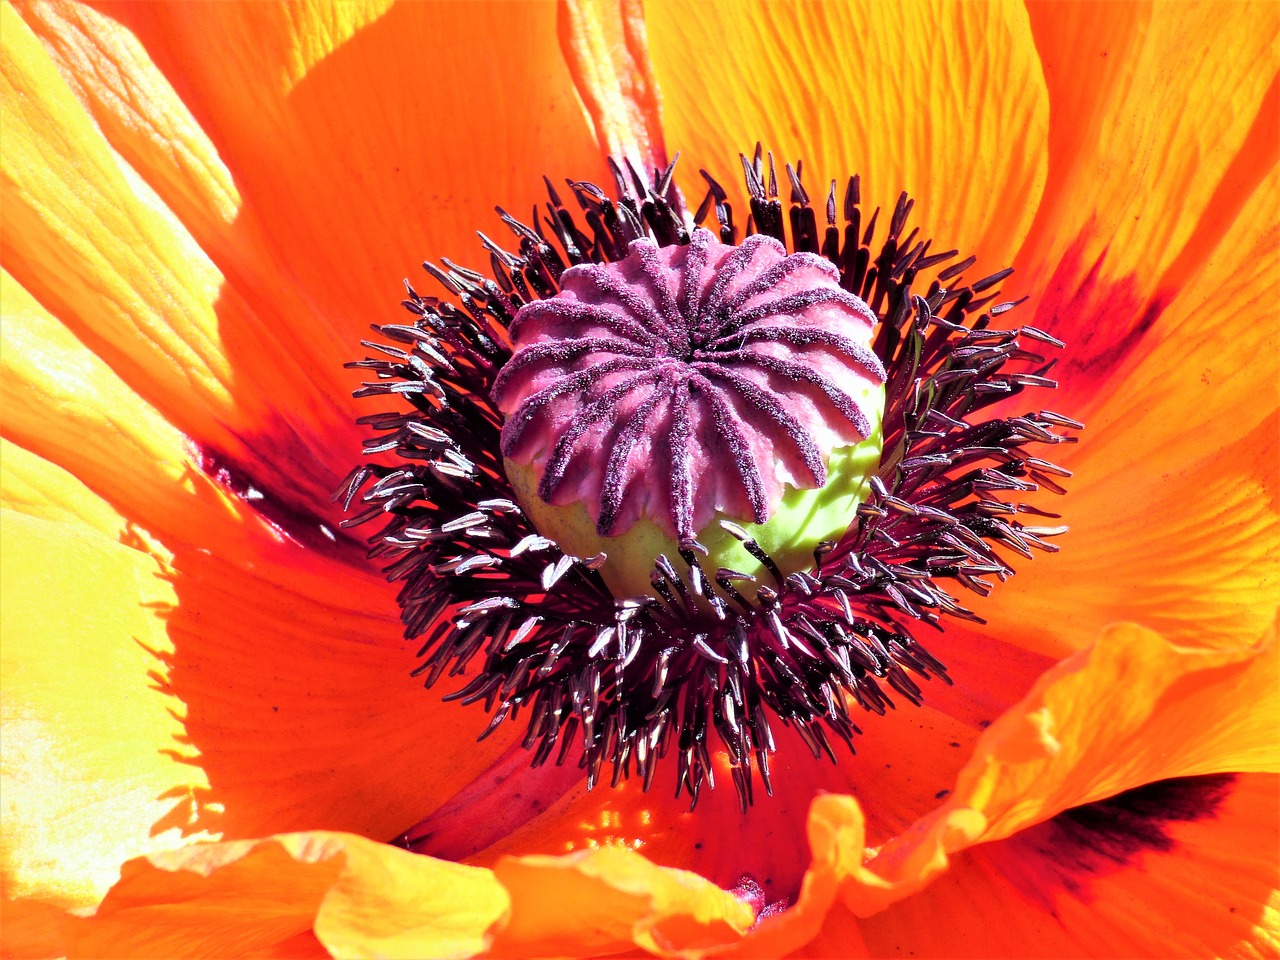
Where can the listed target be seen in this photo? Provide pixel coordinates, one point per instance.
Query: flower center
(643, 388)
(690, 384)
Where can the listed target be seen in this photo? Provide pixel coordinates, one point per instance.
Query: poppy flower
(210, 735)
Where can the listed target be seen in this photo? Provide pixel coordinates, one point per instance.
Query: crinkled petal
(359, 897)
(1128, 711)
(607, 900)
(1202, 886)
(905, 762)
(364, 899)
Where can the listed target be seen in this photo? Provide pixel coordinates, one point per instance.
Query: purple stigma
(683, 381)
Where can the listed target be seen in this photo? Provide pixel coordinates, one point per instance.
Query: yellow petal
(36, 488)
(120, 273)
(948, 104)
(138, 111)
(422, 161)
(361, 898)
(67, 406)
(82, 614)
(316, 735)
(275, 249)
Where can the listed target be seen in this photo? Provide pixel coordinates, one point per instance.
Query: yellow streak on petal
(69, 407)
(36, 488)
(66, 404)
(605, 47)
(315, 28)
(138, 110)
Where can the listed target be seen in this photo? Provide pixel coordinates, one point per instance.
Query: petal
(1206, 887)
(906, 762)
(326, 730)
(1128, 711)
(363, 899)
(1051, 752)
(289, 245)
(420, 164)
(1173, 510)
(603, 901)
(857, 89)
(66, 405)
(78, 236)
(85, 722)
(1163, 120)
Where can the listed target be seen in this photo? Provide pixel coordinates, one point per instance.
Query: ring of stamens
(628, 682)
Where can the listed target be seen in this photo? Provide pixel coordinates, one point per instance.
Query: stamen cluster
(699, 666)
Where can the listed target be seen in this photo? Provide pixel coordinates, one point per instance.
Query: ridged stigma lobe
(683, 383)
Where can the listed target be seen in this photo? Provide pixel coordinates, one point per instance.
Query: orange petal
(959, 119)
(362, 899)
(288, 245)
(604, 901)
(422, 159)
(1128, 711)
(1208, 889)
(330, 701)
(837, 843)
(604, 47)
(1173, 509)
(1163, 120)
(328, 728)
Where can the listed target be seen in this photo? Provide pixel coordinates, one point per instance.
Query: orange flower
(205, 204)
